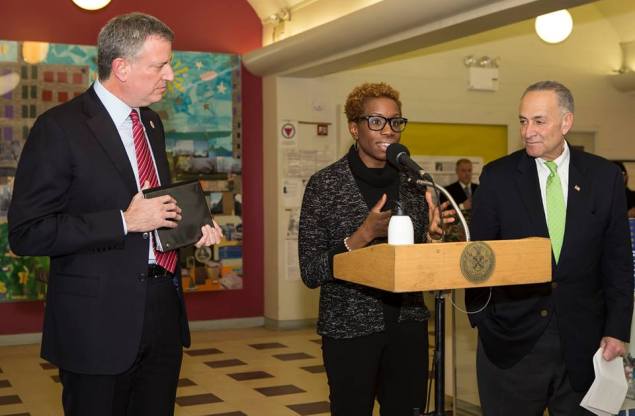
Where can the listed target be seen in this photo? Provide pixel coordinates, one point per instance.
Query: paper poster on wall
(308, 165)
(293, 225)
(292, 191)
(293, 261)
(325, 157)
(288, 133)
(291, 163)
(443, 168)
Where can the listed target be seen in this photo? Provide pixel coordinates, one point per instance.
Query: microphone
(398, 155)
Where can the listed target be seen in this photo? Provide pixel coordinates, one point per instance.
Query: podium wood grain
(428, 267)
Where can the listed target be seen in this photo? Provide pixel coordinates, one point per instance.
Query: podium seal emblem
(477, 262)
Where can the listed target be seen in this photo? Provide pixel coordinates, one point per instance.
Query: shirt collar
(560, 161)
(117, 109)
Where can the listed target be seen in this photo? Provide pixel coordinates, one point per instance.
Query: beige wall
(286, 300)
(433, 84)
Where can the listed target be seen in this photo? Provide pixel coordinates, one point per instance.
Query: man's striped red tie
(147, 172)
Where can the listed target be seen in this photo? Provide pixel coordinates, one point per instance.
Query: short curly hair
(357, 98)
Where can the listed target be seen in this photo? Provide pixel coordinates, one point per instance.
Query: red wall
(199, 25)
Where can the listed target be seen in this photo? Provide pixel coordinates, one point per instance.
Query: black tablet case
(195, 213)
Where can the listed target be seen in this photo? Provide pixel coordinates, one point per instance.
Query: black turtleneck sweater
(372, 184)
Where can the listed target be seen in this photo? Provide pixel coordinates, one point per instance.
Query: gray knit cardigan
(332, 209)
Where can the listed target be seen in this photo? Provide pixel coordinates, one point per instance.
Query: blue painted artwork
(8, 51)
(201, 96)
(201, 116)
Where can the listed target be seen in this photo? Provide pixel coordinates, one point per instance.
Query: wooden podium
(444, 266)
(429, 267)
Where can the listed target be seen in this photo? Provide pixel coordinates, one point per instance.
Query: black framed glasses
(377, 123)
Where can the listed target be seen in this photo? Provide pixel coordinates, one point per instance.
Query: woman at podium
(374, 343)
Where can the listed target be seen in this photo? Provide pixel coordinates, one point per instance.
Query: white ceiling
(620, 14)
(387, 28)
(326, 36)
(615, 10)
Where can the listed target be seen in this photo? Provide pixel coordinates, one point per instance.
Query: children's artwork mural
(201, 113)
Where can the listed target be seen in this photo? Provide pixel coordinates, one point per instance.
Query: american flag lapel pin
(152, 125)
(577, 188)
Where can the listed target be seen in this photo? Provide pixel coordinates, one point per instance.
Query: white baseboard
(234, 323)
(258, 321)
(20, 339)
(290, 323)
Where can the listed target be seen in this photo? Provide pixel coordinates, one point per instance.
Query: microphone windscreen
(393, 151)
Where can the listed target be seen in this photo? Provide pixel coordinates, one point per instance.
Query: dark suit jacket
(456, 191)
(592, 289)
(72, 180)
(630, 199)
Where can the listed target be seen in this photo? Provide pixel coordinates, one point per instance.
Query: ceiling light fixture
(91, 4)
(283, 15)
(554, 27)
(484, 61)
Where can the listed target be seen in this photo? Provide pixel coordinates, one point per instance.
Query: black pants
(148, 387)
(537, 382)
(392, 366)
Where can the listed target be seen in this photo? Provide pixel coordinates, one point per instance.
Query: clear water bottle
(400, 229)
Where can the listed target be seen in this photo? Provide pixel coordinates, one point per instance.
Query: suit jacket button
(141, 277)
(145, 236)
(554, 285)
(544, 313)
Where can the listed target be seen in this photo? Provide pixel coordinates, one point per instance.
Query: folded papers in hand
(608, 391)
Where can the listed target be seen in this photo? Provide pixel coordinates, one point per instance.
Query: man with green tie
(536, 342)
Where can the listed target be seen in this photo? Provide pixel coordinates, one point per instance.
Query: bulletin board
(305, 148)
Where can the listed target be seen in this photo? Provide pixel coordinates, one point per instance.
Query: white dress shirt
(120, 114)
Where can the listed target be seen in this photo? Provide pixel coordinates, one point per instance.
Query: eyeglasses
(377, 123)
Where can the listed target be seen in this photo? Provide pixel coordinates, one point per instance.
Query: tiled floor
(225, 373)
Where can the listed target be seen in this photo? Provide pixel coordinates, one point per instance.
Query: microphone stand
(439, 310)
(455, 206)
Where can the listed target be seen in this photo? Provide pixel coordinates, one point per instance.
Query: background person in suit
(463, 189)
(115, 320)
(630, 195)
(536, 342)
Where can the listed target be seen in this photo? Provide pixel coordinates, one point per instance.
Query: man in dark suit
(463, 189)
(115, 320)
(536, 342)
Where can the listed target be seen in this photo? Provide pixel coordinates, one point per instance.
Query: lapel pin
(152, 125)
(576, 187)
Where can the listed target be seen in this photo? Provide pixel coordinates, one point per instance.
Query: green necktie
(556, 211)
